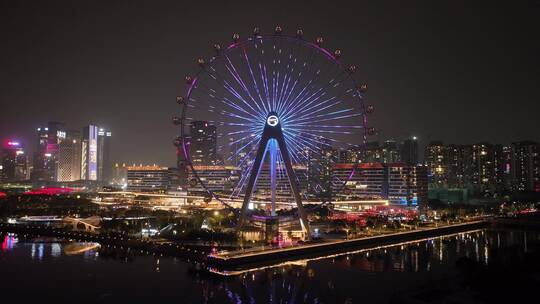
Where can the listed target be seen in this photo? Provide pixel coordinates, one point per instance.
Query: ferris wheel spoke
(254, 81)
(230, 114)
(328, 116)
(305, 145)
(233, 105)
(318, 103)
(233, 72)
(322, 140)
(325, 87)
(256, 137)
(298, 107)
(307, 74)
(303, 103)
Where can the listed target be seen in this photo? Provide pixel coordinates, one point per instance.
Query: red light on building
(49, 191)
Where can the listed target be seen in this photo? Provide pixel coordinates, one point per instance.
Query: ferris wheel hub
(272, 120)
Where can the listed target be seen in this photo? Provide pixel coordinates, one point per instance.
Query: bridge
(86, 224)
(91, 224)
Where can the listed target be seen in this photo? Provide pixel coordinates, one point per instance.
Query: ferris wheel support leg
(294, 185)
(261, 151)
(274, 131)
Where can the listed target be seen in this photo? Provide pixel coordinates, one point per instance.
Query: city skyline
(467, 103)
(269, 151)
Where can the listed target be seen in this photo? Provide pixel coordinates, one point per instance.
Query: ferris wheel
(283, 111)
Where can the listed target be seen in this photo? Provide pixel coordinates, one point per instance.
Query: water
(52, 269)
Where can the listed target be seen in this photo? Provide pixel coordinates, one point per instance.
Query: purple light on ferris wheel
(313, 93)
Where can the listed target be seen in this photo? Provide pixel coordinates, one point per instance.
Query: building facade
(399, 183)
(203, 143)
(153, 179)
(69, 158)
(525, 166)
(45, 163)
(13, 162)
(95, 158)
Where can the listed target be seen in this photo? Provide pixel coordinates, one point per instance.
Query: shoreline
(235, 262)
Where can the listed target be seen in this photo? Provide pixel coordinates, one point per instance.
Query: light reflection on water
(45, 247)
(363, 275)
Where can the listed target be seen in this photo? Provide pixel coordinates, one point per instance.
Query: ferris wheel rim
(251, 39)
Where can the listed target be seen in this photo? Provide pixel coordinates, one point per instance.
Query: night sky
(438, 70)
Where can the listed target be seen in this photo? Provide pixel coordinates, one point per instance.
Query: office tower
(13, 162)
(95, 160)
(46, 154)
(69, 158)
(202, 143)
(104, 168)
(409, 151)
(525, 166)
(89, 153)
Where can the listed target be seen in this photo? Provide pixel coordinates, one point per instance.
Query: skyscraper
(13, 162)
(46, 154)
(104, 155)
(95, 161)
(203, 143)
(483, 167)
(409, 151)
(436, 164)
(458, 165)
(390, 152)
(525, 166)
(319, 170)
(89, 155)
(69, 158)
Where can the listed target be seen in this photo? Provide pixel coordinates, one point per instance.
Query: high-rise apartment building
(202, 143)
(391, 152)
(436, 164)
(525, 166)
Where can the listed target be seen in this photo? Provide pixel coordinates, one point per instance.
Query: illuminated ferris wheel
(284, 110)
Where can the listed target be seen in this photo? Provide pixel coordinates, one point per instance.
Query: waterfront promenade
(241, 259)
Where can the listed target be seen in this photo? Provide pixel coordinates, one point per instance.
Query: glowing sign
(61, 134)
(13, 143)
(272, 120)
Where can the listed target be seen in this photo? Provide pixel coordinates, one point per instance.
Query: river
(47, 269)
